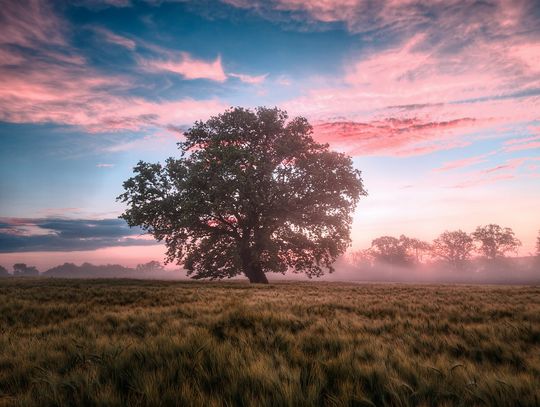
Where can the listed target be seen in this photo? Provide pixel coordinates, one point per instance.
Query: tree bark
(251, 267)
(256, 275)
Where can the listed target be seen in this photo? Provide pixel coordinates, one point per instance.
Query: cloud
(440, 62)
(27, 23)
(491, 175)
(464, 162)
(419, 75)
(46, 80)
(530, 141)
(100, 4)
(251, 79)
(525, 146)
(395, 136)
(103, 165)
(520, 144)
(283, 80)
(457, 18)
(52, 92)
(188, 67)
(191, 68)
(478, 181)
(57, 234)
(113, 38)
(485, 72)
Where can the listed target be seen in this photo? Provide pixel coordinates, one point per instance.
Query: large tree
(495, 241)
(391, 250)
(454, 247)
(251, 193)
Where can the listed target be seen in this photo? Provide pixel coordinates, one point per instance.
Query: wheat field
(142, 343)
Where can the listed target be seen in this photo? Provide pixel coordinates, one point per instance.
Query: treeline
(152, 269)
(487, 246)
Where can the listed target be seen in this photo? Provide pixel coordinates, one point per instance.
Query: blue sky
(437, 102)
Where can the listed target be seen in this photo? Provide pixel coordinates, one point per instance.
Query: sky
(438, 103)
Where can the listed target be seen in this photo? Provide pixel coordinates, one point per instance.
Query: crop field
(139, 343)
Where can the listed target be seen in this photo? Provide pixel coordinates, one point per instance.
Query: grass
(127, 342)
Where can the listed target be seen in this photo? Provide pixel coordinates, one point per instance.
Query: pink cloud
(519, 140)
(498, 168)
(524, 146)
(189, 67)
(283, 80)
(394, 136)
(113, 38)
(475, 182)
(458, 17)
(465, 162)
(59, 86)
(76, 95)
(484, 70)
(27, 23)
(418, 74)
(492, 175)
(418, 80)
(251, 79)
(524, 143)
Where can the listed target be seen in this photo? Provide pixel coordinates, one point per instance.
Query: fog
(518, 270)
(514, 270)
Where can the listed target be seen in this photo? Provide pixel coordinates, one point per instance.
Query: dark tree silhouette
(88, 270)
(4, 272)
(538, 245)
(22, 270)
(251, 193)
(417, 248)
(391, 250)
(495, 241)
(454, 247)
(150, 267)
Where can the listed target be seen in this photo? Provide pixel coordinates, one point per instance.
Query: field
(128, 342)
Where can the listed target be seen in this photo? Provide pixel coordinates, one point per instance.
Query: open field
(127, 342)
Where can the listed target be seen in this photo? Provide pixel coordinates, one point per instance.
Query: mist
(511, 270)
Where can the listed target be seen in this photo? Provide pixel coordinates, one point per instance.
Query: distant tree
(88, 270)
(454, 247)
(495, 241)
(250, 194)
(417, 248)
(4, 272)
(538, 245)
(391, 250)
(362, 258)
(150, 267)
(22, 270)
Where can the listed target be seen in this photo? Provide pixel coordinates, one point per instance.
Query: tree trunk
(256, 275)
(252, 267)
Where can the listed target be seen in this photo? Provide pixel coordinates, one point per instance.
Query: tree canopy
(152, 266)
(454, 247)
(22, 270)
(251, 193)
(391, 250)
(495, 241)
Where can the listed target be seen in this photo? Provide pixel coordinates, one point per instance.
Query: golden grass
(124, 342)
